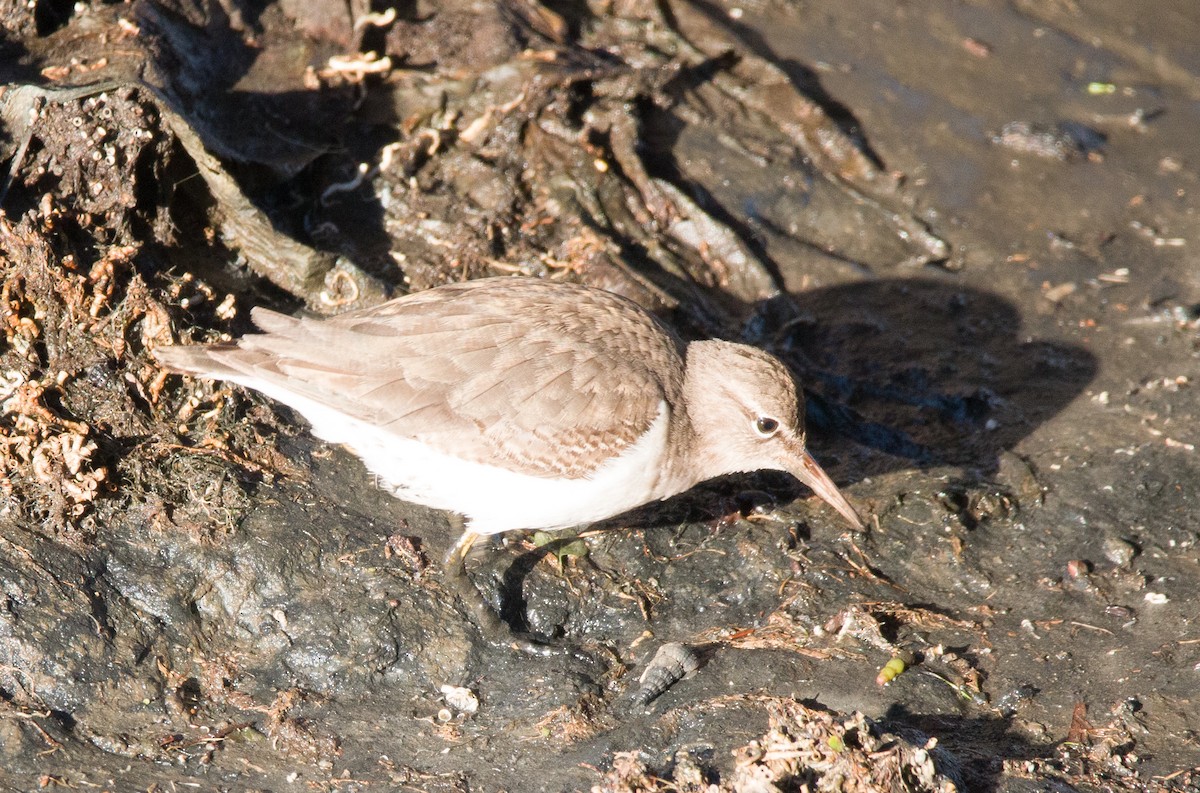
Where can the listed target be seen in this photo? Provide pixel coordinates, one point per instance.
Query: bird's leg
(472, 599)
(495, 630)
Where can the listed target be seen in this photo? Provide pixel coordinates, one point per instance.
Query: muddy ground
(968, 227)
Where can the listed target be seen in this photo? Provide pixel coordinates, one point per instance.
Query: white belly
(494, 499)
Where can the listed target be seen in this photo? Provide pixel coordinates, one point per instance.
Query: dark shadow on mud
(280, 145)
(982, 744)
(916, 373)
(13, 65)
(927, 372)
(806, 80)
(511, 589)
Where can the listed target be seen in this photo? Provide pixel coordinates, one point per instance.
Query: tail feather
(283, 338)
(200, 359)
(232, 362)
(269, 321)
(303, 363)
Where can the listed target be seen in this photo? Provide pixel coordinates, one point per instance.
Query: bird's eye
(766, 426)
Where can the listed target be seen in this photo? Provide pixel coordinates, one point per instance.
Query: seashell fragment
(670, 664)
(461, 699)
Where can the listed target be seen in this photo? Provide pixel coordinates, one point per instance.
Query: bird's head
(748, 415)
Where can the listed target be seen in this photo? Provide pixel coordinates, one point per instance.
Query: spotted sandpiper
(520, 403)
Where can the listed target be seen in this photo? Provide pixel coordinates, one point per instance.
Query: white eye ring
(766, 426)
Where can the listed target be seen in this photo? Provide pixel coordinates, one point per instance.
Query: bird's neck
(678, 471)
(692, 458)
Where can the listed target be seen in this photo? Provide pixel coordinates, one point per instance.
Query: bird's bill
(810, 473)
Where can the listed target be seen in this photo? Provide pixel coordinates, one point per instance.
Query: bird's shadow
(923, 372)
(908, 374)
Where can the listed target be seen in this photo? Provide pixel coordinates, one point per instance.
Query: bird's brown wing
(547, 379)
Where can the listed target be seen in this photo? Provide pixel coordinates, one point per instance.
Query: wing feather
(536, 374)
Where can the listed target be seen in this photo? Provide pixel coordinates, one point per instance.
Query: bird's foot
(494, 630)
